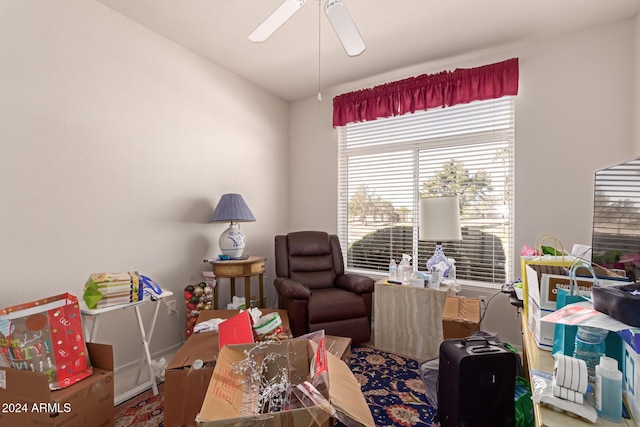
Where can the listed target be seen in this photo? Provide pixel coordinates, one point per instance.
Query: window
(386, 165)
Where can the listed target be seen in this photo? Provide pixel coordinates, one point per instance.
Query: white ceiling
(398, 33)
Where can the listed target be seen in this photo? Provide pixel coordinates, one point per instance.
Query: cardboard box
(558, 265)
(541, 296)
(185, 386)
(544, 282)
(339, 347)
(546, 260)
(26, 399)
(461, 317)
(305, 357)
(543, 332)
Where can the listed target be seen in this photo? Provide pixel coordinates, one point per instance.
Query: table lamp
(233, 208)
(440, 221)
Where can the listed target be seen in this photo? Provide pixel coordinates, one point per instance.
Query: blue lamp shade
(440, 221)
(232, 208)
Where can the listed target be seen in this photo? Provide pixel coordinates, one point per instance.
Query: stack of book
(108, 289)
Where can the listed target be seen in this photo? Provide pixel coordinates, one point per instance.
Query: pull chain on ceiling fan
(336, 12)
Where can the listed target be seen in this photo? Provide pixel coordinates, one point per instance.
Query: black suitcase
(476, 384)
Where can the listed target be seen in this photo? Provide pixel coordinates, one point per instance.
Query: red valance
(426, 91)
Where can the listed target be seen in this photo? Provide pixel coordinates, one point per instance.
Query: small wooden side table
(236, 268)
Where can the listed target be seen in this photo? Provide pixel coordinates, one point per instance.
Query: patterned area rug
(391, 385)
(144, 410)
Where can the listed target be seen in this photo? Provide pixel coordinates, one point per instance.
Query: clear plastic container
(609, 390)
(393, 270)
(404, 269)
(590, 346)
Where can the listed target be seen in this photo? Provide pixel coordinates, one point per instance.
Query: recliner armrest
(357, 283)
(291, 289)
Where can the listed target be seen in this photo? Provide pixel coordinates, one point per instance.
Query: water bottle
(404, 269)
(590, 346)
(609, 390)
(393, 270)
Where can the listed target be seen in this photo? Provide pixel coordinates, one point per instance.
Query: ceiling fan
(335, 10)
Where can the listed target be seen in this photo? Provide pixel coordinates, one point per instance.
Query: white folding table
(91, 318)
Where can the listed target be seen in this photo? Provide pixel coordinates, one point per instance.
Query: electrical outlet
(171, 307)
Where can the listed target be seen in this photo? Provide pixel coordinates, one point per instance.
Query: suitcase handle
(474, 339)
(482, 345)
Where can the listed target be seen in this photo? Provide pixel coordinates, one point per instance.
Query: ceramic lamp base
(437, 258)
(232, 241)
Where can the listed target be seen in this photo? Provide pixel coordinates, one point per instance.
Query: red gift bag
(46, 336)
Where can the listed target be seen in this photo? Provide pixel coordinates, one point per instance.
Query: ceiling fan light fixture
(344, 27)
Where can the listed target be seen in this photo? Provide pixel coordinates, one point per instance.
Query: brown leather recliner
(314, 289)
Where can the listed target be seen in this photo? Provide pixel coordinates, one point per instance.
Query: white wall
(573, 116)
(313, 166)
(116, 144)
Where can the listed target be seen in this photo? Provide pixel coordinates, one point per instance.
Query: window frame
(451, 139)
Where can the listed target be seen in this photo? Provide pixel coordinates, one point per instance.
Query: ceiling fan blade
(279, 16)
(344, 27)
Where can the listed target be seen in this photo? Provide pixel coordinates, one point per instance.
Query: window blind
(386, 165)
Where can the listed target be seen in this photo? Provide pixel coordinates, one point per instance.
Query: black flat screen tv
(616, 218)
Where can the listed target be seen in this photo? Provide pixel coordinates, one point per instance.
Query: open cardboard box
(461, 317)
(339, 347)
(185, 386)
(230, 401)
(26, 399)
